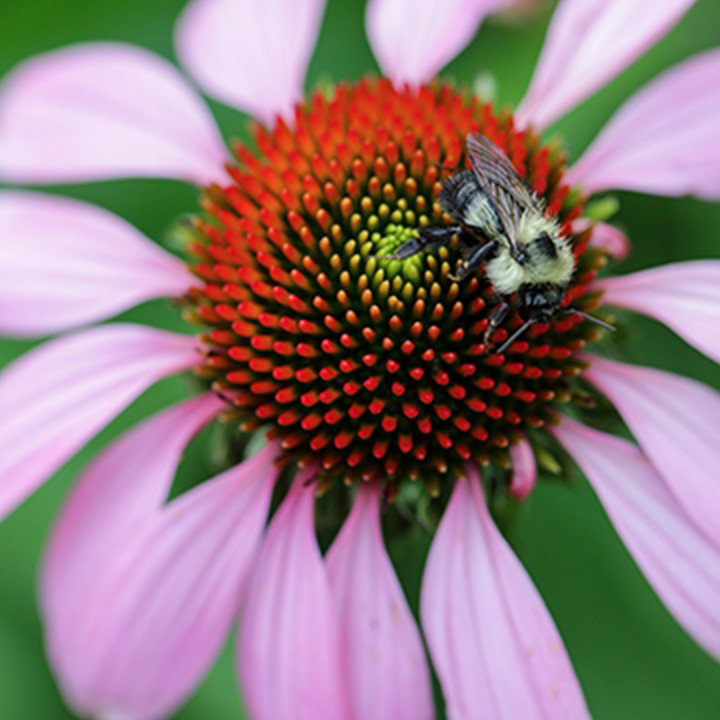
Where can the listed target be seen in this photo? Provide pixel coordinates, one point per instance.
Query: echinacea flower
(372, 374)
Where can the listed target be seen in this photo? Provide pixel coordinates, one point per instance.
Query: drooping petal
(124, 486)
(251, 55)
(524, 469)
(383, 655)
(413, 41)
(65, 263)
(494, 644)
(665, 139)
(289, 649)
(605, 236)
(684, 296)
(104, 110)
(162, 602)
(676, 422)
(136, 599)
(56, 397)
(588, 43)
(609, 238)
(677, 559)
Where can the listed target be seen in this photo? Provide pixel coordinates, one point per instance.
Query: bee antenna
(520, 331)
(585, 316)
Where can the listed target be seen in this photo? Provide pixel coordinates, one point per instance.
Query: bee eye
(545, 245)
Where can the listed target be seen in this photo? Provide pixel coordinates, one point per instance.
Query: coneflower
(371, 377)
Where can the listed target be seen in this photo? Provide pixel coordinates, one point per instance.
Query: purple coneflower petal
(494, 644)
(413, 41)
(384, 659)
(588, 43)
(685, 296)
(123, 487)
(677, 559)
(162, 601)
(665, 139)
(65, 263)
(250, 55)
(104, 110)
(107, 571)
(607, 237)
(56, 397)
(524, 469)
(676, 422)
(289, 645)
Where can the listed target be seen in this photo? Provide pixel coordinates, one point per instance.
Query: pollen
(365, 365)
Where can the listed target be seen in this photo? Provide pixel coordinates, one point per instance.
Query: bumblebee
(502, 224)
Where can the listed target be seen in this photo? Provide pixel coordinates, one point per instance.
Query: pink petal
(289, 651)
(494, 644)
(104, 110)
(665, 139)
(118, 611)
(677, 559)
(384, 658)
(524, 469)
(605, 236)
(123, 487)
(684, 296)
(56, 397)
(588, 43)
(251, 55)
(161, 602)
(413, 41)
(64, 263)
(676, 422)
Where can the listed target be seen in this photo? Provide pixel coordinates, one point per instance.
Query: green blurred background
(632, 659)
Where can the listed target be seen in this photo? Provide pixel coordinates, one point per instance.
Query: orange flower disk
(365, 365)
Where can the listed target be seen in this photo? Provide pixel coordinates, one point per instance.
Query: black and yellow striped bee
(504, 226)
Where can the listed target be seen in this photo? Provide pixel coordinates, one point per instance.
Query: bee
(502, 224)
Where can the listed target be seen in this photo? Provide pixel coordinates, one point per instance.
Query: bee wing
(500, 182)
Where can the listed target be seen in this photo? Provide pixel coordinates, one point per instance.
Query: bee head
(541, 302)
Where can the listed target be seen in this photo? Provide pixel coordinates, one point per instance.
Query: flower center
(366, 365)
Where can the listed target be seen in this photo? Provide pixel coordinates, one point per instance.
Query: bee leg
(474, 259)
(496, 319)
(428, 238)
